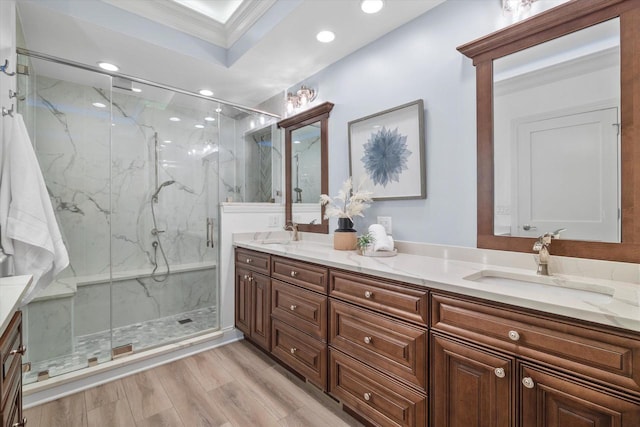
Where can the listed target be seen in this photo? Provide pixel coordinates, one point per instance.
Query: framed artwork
(388, 148)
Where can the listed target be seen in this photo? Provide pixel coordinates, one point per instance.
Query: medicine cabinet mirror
(557, 100)
(306, 167)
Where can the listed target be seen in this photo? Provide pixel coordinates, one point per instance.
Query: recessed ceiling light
(296, 142)
(325, 36)
(174, 119)
(199, 126)
(218, 110)
(210, 119)
(371, 6)
(206, 92)
(136, 89)
(98, 105)
(167, 141)
(108, 66)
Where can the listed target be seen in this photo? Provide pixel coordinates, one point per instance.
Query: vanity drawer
(12, 412)
(608, 355)
(255, 261)
(403, 302)
(301, 352)
(302, 309)
(308, 276)
(10, 358)
(376, 397)
(397, 348)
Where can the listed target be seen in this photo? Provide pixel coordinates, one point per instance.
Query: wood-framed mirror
(306, 163)
(488, 55)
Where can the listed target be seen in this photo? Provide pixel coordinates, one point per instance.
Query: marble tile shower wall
(99, 171)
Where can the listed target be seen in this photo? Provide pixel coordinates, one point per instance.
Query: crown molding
(183, 19)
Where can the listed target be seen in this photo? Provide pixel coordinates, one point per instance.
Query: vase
(344, 237)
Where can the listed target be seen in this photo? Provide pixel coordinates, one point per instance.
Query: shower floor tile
(141, 336)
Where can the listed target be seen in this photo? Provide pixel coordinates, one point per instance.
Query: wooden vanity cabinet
(378, 348)
(299, 317)
(551, 399)
(11, 352)
(253, 297)
(471, 386)
(568, 373)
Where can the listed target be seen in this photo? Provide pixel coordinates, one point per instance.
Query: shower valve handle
(155, 231)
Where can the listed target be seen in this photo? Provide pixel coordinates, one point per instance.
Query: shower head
(164, 184)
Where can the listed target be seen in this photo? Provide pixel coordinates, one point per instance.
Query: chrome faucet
(542, 247)
(292, 226)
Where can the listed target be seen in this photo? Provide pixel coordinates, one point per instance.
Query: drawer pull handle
(293, 350)
(21, 350)
(368, 294)
(514, 335)
(367, 340)
(527, 382)
(293, 307)
(294, 273)
(21, 423)
(499, 372)
(249, 260)
(367, 396)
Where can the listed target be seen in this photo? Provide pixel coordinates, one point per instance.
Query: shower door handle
(208, 232)
(210, 223)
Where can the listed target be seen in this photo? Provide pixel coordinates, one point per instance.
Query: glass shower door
(164, 147)
(68, 117)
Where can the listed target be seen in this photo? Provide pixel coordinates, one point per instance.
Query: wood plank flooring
(233, 385)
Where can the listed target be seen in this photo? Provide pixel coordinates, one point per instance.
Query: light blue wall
(418, 60)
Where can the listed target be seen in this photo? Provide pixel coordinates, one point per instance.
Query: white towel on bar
(30, 232)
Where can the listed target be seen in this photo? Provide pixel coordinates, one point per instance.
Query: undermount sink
(273, 242)
(556, 286)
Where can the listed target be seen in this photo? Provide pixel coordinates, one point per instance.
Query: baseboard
(73, 382)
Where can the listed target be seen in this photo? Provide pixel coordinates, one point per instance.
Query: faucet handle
(537, 246)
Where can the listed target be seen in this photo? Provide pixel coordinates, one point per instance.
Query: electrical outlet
(385, 221)
(273, 220)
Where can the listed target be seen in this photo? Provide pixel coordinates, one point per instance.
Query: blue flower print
(385, 156)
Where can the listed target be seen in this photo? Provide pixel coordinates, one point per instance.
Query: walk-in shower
(135, 179)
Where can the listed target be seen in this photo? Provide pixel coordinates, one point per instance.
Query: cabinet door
(470, 387)
(552, 400)
(243, 301)
(261, 306)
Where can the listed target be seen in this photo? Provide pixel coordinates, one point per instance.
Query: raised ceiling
(246, 55)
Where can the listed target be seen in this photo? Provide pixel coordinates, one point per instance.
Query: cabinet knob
(293, 350)
(246, 277)
(20, 350)
(528, 382)
(514, 335)
(294, 273)
(368, 294)
(367, 340)
(20, 424)
(249, 260)
(367, 396)
(499, 372)
(293, 307)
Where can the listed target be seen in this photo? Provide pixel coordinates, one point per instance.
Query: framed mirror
(306, 167)
(558, 131)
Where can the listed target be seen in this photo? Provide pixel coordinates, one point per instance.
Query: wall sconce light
(517, 8)
(302, 97)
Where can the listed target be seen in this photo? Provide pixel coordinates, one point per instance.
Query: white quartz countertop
(11, 291)
(620, 308)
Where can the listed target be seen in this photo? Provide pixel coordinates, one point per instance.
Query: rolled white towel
(382, 242)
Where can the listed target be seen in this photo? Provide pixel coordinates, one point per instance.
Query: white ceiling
(263, 48)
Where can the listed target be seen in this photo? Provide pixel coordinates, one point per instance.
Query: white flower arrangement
(348, 203)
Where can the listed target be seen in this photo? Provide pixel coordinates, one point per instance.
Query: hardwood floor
(233, 385)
